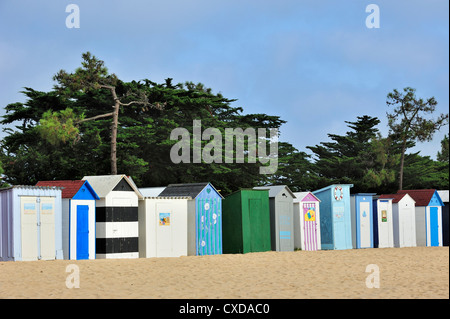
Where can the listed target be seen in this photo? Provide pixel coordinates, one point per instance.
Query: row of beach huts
(110, 217)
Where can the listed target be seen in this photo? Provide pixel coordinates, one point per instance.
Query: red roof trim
(70, 187)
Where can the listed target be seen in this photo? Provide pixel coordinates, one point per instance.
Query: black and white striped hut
(117, 227)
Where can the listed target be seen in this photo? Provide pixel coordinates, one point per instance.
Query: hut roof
(191, 190)
(422, 197)
(103, 184)
(275, 189)
(395, 197)
(69, 187)
(301, 195)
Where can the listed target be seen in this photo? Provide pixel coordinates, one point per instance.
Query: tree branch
(137, 102)
(95, 117)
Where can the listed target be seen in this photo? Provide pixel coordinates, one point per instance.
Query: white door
(164, 231)
(384, 225)
(47, 229)
(406, 239)
(29, 228)
(364, 218)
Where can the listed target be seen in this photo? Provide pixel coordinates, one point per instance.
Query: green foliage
(90, 77)
(57, 127)
(443, 155)
(423, 172)
(361, 157)
(407, 122)
(407, 119)
(53, 139)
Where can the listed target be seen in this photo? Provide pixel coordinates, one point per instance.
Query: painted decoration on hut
(310, 212)
(47, 208)
(29, 208)
(384, 216)
(338, 193)
(164, 219)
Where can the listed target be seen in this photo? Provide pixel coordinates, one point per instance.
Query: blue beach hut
(335, 219)
(78, 217)
(362, 220)
(204, 216)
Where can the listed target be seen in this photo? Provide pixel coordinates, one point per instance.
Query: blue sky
(313, 63)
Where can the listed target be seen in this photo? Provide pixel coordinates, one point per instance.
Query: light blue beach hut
(335, 216)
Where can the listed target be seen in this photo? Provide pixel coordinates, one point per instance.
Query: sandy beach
(419, 272)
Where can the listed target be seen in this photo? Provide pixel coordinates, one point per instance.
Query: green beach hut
(246, 222)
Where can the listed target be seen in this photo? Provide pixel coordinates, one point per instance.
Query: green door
(254, 207)
(259, 226)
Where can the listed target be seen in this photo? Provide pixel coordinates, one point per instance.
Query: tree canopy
(66, 134)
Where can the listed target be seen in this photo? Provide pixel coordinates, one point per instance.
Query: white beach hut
(404, 221)
(163, 226)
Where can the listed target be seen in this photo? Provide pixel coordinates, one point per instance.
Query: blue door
(339, 227)
(82, 232)
(209, 237)
(434, 228)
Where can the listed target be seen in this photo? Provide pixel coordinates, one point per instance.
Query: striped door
(310, 226)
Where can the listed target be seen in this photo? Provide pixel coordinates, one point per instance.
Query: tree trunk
(114, 125)
(402, 159)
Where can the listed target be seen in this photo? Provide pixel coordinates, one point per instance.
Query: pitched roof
(191, 190)
(275, 189)
(103, 184)
(395, 197)
(151, 191)
(70, 187)
(421, 196)
(301, 195)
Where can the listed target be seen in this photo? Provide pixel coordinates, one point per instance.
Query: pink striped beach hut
(306, 221)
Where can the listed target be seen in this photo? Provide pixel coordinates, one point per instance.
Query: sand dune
(420, 272)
